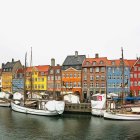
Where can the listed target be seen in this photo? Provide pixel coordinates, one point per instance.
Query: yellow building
(8, 71)
(36, 78)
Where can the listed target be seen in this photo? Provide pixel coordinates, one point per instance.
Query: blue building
(18, 81)
(115, 76)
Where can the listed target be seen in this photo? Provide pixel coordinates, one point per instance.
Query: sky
(57, 28)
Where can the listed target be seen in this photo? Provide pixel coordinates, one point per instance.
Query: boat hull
(117, 116)
(26, 110)
(98, 112)
(5, 104)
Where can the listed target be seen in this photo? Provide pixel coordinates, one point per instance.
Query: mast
(31, 73)
(25, 77)
(122, 77)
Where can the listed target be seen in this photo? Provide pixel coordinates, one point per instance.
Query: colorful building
(115, 76)
(135, 76)
(36, 78)
(18, 81)
(94, 76)
(0, 80)
(8, 71)
(54, 79)
(71, 74)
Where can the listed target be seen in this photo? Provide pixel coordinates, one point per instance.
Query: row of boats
(111, 107)
(102, 106)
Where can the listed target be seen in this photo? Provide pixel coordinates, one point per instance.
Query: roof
(73, 60)
(43, 68)
(132, 62)
(21, 70)
(9, 64)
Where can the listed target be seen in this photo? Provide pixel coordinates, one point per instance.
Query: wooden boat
(59, 109)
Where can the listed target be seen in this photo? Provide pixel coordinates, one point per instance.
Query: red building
(135, 76)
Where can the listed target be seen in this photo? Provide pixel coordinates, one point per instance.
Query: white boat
(121, 116)
(57, 109)
(4, 103)
(98, 104)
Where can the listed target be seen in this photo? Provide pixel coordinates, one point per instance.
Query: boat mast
(122, 77)
(31, 72)
(25, 77)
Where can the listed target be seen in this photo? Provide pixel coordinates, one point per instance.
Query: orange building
(71, 74)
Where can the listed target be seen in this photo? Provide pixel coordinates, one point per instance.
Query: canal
(17, 126)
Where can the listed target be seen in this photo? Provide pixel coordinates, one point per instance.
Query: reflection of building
(18, 81)
(0, 79)
(71, 73)
(115, 77)
(8, 71)
(36, 78)
(135, 76)
(94, 76)
(54, 78)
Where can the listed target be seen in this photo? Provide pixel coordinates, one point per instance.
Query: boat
(4, 99)
(44, 108)
(98, 104)
(130, 113)
(52, 108)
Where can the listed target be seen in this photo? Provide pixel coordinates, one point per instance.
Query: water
(17, 126)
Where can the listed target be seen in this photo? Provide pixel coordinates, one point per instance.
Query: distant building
(18, 81)
(36, 78)
(0, 80)
(94, 76)
(115, 76)
(135, 76)
(71, 74)
(54, 80)
(8, 71)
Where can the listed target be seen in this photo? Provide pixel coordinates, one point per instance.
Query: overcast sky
(57, 28)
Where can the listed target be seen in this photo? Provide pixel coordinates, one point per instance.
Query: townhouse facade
(94, 76)
(0, 80)
(8, 71)
(36, 78)
(115, 70)
(135, 77)
(54, 79)
(71, 74)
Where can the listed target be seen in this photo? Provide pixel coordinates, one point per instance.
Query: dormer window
(87, 63)
(113, 63)
(101, 62)
(94, 62)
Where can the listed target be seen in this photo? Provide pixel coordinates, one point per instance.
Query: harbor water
(18, 126)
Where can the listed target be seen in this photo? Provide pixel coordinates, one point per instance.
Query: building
(94, 76)
(8, 71)
(0, 80)
(135, 76)
(18, 81)
(36, 78)
(54, 79)
(115, 76)
(71, 74)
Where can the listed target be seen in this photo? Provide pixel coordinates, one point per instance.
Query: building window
(74, 75)
(51, 71)
(101, 62)
(138, 83)
(102, 85)
(85, 77)
(102, 77)
(131, 83)
(97, 84)
(135, 68)
(87, 63)
(131, 75)
(79, 84)
(59, 78)
(85, 69)
(67, 75)
(94, 63)
(102, 69)
(113, 63)
(91, 77)
(138, 68)
(57, 71)
(70, 75)
(97, 77)
(135, 83)
(42, 79)
(85, 85)
(74, 84)
(91, 69)
(91, 85)
(135, 75)
(52, 78)
(97, 69)
(42, 73)
(139, 75)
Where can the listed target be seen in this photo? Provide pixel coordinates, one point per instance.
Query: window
(131, 75)
(59, 78)
(97, 69)
(85, 77)
(138, 68)
(70, 75)
(97, 77)
(42, 86)
(79, 84)
(52, 78)
(91, 77)
(102, 77)
(131, 83)
(85, 69)
(138, 83)
(135, 83)
(94, 63)
(91, 69)
(57, 71)
(91, 85)
(74, 75)
(74, 84)
(102, 84)
(42, 73)
(101, 62)
(56, 78)
(97, 84)
(42, 79)
(85, 85)
(102, 69)
(38, 86)
(139, 75)
(135, 75)
(87, 63)
(135, 68)
(113, 63)
(51, 71)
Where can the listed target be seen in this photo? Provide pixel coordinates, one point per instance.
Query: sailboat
(132, 113)
(45, 107)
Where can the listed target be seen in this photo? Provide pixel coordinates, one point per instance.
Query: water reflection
(15, 125)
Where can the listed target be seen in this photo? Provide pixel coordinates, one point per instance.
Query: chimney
(96, 55)
(2, 65)
(76, 53)
(52, 62)
(12, 59)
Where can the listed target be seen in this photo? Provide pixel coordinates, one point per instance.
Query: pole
(31, 72)
(25, 78)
